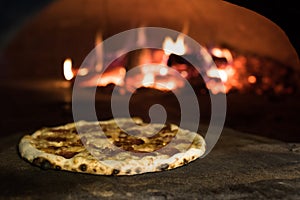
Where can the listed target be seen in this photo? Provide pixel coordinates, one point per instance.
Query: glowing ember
(184, 74)
(252, 79)
(67, 68)
(82, 71)
(114, 75)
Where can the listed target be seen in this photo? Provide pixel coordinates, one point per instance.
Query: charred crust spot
(138, 170)
(58, 167)
(83, 167)
(56, 139)
(158, 142)
(108, 136)
(68, 154)
(185, 161)
(128, 171)
(43, 163)
(164, 167)
(128, 148)
(62, 131)
(167, 128)
(83, 140)
(123, 134)
(137, 141)
(118, 144)
(94, 170)
(115, 172)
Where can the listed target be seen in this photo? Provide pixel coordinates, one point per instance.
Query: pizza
(121, 146)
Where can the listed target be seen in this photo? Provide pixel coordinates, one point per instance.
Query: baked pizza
(120, 146)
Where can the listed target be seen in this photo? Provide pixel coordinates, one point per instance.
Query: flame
(178, 47)
(217, 73)
(222, 53)
(227, 72)
(155, 76)
(227, 76)
(68, 73)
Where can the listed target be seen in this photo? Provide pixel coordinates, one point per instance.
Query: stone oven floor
(241, 166)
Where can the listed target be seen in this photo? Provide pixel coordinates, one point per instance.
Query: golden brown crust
(112, 151)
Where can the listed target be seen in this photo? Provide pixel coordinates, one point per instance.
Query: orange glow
(115, 76)
(217, 52)
(155, 76)
(184, 74)
(82, 72)
(148, 80)
(99, 51)
(252, 79)
(67, 68)
(171, 85)
(222, 53)
(163, 71)
(217, 73)
(177, 47)
(228, 77)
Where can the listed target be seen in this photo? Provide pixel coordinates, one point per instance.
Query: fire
(154, 71)
(68, 72)
(252, 79)
(222, 53)
(218, 73)
(178, 47)
(226, 72)
(115, 76)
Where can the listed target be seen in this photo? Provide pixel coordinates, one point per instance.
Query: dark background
(284, 13)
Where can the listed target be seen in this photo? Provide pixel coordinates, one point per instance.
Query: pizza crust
(62, 148)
